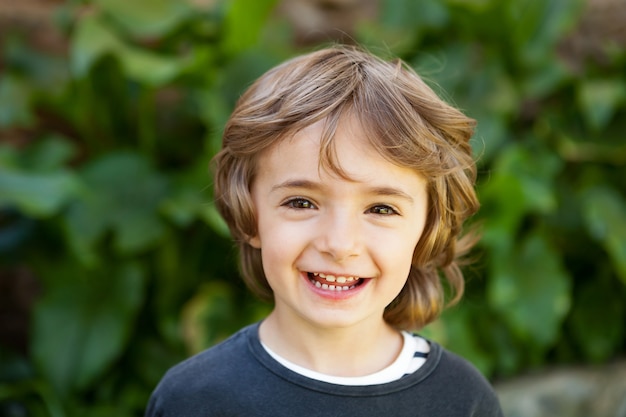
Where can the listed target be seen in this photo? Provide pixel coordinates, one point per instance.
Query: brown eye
(299, 203)
(383, 210)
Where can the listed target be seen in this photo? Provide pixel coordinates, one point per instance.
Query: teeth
(332, 278)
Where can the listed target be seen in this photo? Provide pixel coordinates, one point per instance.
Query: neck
(352, 351)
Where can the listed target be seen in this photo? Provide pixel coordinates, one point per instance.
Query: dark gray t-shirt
(239, 378)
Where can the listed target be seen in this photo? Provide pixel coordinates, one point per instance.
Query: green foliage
(84, 321)
(552, 156)
(107, 202)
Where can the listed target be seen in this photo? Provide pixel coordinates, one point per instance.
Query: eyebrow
(296, 184)
(383, 191)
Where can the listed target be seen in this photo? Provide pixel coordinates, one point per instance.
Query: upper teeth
(338, 279)
(339, 283)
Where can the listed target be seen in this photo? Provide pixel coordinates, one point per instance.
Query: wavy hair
(405, 121)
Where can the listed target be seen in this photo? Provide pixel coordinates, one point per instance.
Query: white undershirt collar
(407, 362)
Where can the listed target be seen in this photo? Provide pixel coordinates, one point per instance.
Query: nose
(340, 235)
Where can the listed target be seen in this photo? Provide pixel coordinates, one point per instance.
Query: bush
(105, 202)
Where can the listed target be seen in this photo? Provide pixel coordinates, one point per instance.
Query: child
(345, 181)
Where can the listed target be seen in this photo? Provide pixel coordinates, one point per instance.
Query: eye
(383, 210)
(299, 203)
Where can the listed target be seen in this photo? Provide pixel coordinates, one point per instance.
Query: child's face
(359, 234)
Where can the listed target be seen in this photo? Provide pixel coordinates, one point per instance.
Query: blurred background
(114, 264)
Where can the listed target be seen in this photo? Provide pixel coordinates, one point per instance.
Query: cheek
(397, 251)
(280, 242)
(405, 260)
(274, 232)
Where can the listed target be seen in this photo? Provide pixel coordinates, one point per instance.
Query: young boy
(345, 181)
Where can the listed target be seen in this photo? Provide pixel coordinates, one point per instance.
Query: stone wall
(573, 392)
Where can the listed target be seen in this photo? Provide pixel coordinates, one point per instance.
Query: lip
(332, 294)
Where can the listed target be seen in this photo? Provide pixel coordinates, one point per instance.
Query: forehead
(322, 152)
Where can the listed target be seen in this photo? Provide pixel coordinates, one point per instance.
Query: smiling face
(336, 251)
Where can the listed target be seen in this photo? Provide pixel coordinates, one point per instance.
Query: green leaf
(605, 217)
(447, 67)
(489, 95)
(48, 154)
(472, 5)
(147, 18)
(190, 194)
(44, 71)
(238, 73)
(90, 42)
(545, 80)
(454, 330)
(15, 102)
(38, 194)
(192, 199)
(503, 98)
(520, 183)
(148, 67)
(597, 319)
(94, 40)
(243, 21)
(536, 26)
(28, 389)
(83, 321)
(600, 99)
(9, 157)
(125, 197)
(535, 170)
(207, 318)
(490, 135)
(504, 205)
(413, 15)
(212, 217)
(531, 289)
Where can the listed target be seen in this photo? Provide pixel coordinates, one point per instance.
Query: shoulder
(205, 373)
(455, 377)
(228, 352)
(454, 366)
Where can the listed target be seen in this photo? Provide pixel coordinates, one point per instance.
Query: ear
(255, 242)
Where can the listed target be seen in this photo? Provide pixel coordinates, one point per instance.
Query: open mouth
(334, 283)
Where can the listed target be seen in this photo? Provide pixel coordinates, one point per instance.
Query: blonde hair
(406, 122)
